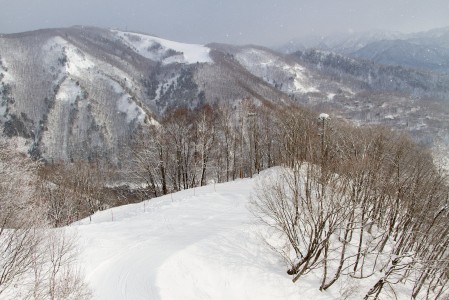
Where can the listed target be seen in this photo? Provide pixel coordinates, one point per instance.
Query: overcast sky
(263, 22)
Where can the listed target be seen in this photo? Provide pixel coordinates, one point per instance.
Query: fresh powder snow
(201, 243)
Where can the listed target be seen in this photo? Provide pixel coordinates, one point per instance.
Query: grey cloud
(234, 21)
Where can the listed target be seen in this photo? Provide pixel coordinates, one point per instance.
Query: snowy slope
(194, 244)
(272, 68)
(166, 51)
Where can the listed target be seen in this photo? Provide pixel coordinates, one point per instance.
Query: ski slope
(201, 243)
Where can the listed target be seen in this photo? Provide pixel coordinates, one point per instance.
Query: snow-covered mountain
(369, 93)
(405, 53)
(427, 50)
(164, 51)
(344, 43)
(437, 36)
(82, 92)
(284, 74)
(360, 90)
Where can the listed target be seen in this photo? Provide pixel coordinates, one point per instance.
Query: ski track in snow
(195, 244)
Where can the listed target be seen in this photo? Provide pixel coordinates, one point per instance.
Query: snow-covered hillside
(90, 89)
(289, 78)
(165, 51)
(201, 243)
(195, 244)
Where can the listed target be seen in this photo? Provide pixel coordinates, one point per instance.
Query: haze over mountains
(427, 50)
(82, 92)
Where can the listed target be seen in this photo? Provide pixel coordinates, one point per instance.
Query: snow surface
(68, 91)
(147, 46)
(274, 70)
(81, 65)
(200, 243)
(127, 105)
(300, 81)
(77, 61)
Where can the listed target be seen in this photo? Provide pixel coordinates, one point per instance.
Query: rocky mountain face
(82, 93)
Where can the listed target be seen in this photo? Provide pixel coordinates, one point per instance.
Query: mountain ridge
(84, 92)
(97, 68)
(390, 48)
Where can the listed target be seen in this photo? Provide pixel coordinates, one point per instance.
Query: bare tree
(56, 275)
(368, 190)
(36, 262)
(19, 215)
